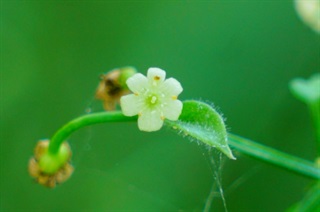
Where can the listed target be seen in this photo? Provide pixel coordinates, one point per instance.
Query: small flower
(154, 99)
(309, 12)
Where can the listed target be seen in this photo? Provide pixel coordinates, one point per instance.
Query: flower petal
(172, 109)
(137, 83)
(150, 121)
(131, 104)
(171, 87)
(156, 74)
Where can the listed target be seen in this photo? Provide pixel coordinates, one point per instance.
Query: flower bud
(125, 74)
(113, 85)
(49, 169)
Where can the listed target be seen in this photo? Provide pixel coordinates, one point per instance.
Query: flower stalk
(82, 121)
(243, 145)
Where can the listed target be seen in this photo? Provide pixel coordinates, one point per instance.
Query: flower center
(152, 100)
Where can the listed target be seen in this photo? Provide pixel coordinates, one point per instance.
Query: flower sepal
(50, 163)
(50, 169)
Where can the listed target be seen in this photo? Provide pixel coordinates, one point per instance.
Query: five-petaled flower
(154, 99)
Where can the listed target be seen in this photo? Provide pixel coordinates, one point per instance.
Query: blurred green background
(239, 55)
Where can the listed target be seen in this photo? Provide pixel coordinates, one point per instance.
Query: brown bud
(48, 180)
(109, 89)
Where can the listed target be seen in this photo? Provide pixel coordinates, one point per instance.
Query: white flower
(154, 99)
(309, 11)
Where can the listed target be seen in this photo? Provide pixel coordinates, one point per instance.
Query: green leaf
(203, 123)
(307, 91)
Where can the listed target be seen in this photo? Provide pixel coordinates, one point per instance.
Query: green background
(239, 55)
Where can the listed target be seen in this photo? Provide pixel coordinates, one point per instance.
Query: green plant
(193, 119)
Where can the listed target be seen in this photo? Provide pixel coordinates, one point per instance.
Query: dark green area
(239, 55)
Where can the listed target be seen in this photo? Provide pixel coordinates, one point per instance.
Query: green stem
(314, 108)
(245, 146)
(94, 118)
(311, 202)
(274, 157)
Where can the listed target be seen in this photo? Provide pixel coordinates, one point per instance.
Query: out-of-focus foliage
(310, 202)
(307, 91)
(309, 11)
(238, 54)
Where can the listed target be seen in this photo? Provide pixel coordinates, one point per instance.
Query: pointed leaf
(200, 121)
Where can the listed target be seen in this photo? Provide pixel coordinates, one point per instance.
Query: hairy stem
(243, 145)
(274, 157)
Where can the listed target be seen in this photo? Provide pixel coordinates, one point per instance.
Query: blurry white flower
(154, 99)
(309, 11)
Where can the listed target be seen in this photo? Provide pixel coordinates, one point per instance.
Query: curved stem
(274, 157)
(243, 145)
(94, 118)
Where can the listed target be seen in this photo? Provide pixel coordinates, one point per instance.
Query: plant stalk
(274, 156)
(243, 145)
(314, 108)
